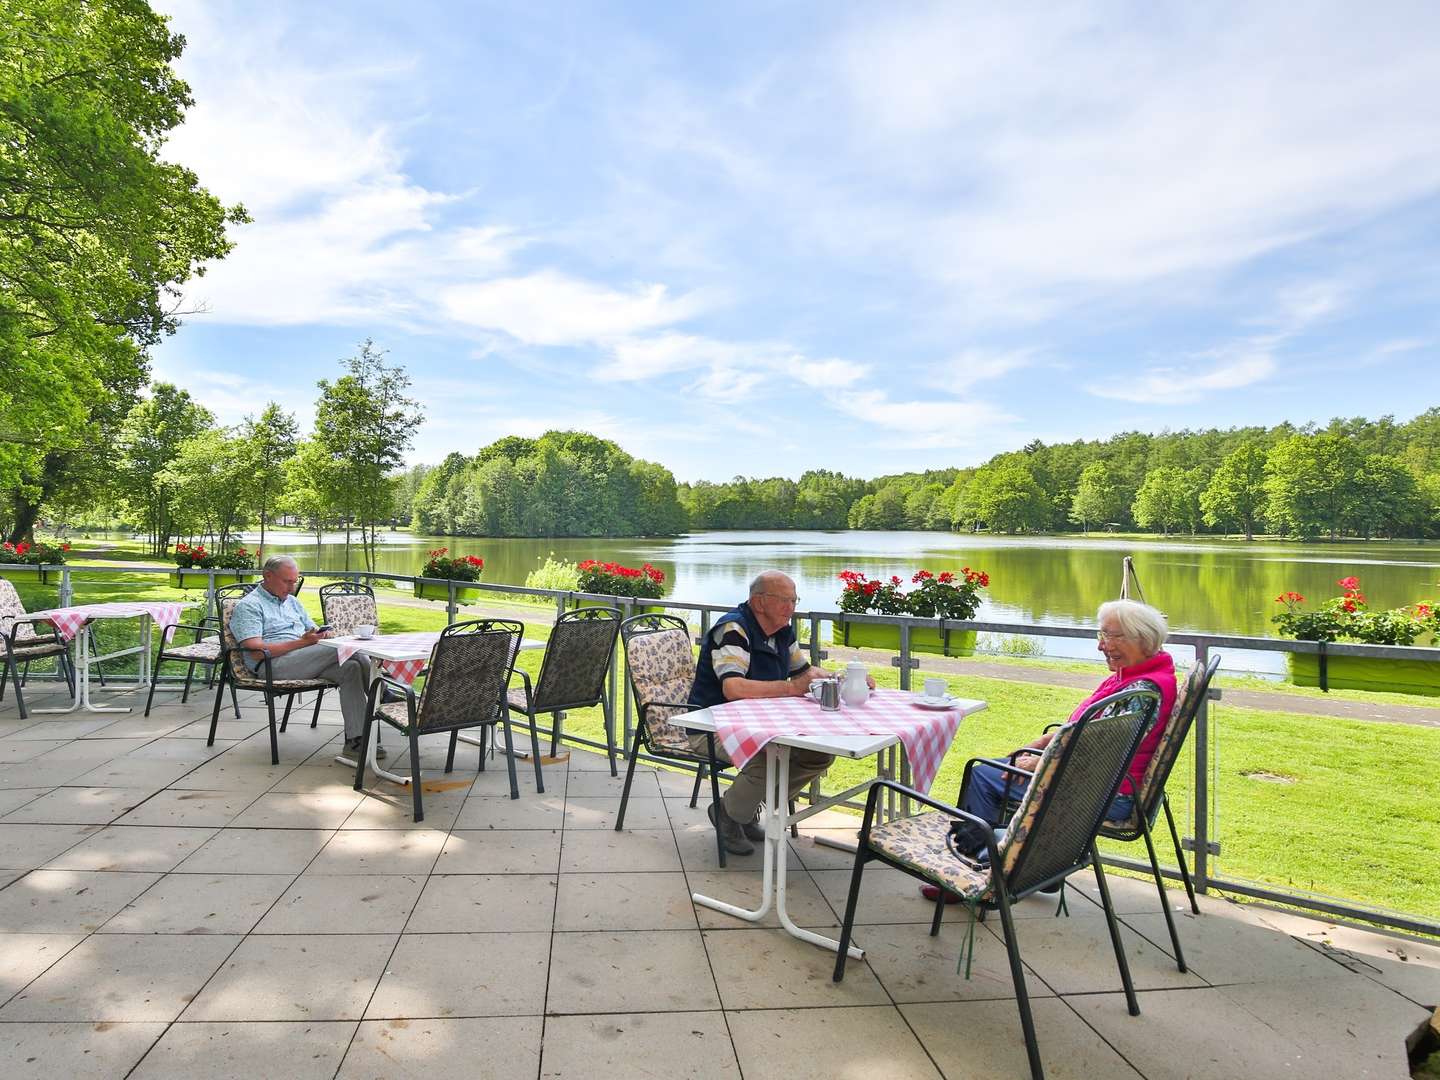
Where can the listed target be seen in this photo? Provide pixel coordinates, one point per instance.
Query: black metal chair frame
(413, 728)
(652, 623)
(209, 624)
(1151, 799)
(262, 674)
(1005, 888)
(593, 691)
(11, 672)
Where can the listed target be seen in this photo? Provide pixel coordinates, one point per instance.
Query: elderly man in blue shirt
(269, 620)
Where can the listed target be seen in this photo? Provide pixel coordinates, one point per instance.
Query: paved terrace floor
(168, 910)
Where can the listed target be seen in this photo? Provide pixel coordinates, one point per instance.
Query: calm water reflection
(1204, 585)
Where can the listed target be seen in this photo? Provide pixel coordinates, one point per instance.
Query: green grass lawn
(1334, 806)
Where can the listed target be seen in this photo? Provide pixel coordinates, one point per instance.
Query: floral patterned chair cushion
(345, 611)
(662, 667)
(36, 644)
(1187, 701)
(199, 651)
(919, 843)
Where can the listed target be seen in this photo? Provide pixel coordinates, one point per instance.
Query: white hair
(1139, 622)
(764, 580)
(275, 562)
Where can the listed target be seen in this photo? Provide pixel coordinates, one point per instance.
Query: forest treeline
(1352, 477)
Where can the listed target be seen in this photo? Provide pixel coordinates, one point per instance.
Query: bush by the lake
(612, 579)
(452, 567)
(554, 574)
(945, 595)
(1347, 617)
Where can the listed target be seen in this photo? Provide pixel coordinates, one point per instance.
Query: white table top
(385, 646)
(850, 746)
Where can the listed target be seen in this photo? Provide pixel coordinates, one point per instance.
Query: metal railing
(1198, 842)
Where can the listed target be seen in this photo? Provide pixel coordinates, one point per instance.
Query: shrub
(554, 574)
(452, 567)
(612, 579)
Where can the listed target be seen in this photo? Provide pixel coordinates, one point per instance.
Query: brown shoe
(731, 835)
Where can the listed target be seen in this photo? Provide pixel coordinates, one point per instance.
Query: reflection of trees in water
(1224, 589)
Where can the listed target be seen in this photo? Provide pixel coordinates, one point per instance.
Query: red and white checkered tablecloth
(68, 620)
(422, 643)
(745, 726)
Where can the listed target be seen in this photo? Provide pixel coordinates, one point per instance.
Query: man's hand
(1027, 762)
(310, 637)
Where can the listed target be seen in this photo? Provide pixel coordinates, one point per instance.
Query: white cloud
(1208, 372)
(551, 308)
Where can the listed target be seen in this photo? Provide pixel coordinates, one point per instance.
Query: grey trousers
(319, 662)
(744, 796)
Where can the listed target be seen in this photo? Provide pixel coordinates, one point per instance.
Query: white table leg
(82, 683)
(370, 759)
(777, 830)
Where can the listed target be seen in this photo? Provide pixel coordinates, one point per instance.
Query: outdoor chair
(661, 667)
(345, 605)
(236, 675)
(1051, 836)
(469, 671)
(204, 649)
(573, 673)
(1150, 799)
(23, 644)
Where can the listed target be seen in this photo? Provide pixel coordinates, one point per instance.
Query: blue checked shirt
(263, 615)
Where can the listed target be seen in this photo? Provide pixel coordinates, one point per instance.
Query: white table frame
(83, 661)
(777, 818)
(375, 648)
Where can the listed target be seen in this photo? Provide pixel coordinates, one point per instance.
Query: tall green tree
(97, 231)
(1313, 484)
(207, 486)
(268, 445)
(152, 436)
(1235, 495)
(1160, 502)
(1004, 496)
(365, 421)
(312, 481)
(1095, 497)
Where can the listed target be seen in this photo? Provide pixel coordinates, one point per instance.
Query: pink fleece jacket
(1159, 669)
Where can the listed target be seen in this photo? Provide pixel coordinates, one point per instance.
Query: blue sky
(764, 237)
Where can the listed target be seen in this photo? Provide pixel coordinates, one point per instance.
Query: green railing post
(1201, 836)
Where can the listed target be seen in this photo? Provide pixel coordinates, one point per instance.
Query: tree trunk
(26, 514)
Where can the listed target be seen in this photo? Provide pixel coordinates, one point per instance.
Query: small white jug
(854, 690)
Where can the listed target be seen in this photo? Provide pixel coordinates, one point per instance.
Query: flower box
(1366, 673)
(200, 579)
(464, 594)
(638, 609)
(922, 639)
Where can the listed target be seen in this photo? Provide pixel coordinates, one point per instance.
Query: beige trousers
(744, 796)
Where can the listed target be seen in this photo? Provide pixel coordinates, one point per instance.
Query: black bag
(968, 839)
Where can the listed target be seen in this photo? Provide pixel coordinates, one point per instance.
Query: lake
(1203, 584)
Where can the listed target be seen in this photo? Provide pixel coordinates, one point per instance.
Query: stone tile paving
(173, 910)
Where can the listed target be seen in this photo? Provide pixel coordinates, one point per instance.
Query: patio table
(775, 726)
(69, 621)
(404, 656)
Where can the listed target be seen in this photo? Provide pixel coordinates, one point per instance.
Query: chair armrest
(385, 682)
(525, 678)
(991, 844)
(672, 705)
(1004, 765)
(1051, 727)
(167, 633)
(32, 620)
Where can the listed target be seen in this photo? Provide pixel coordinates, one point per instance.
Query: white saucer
(947, 702)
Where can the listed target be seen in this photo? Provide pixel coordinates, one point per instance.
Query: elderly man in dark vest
(752, 652)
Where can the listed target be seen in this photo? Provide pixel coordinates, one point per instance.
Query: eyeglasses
(783, 599)
(1104, 635)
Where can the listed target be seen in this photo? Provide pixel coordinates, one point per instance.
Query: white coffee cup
(935, 689)
(365, 630)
